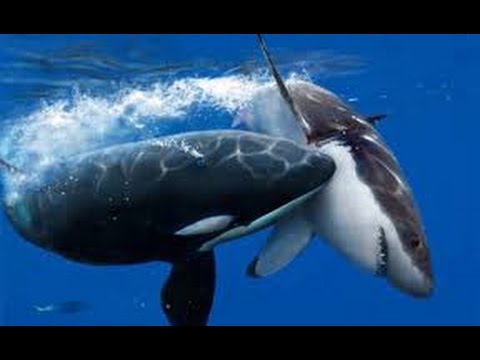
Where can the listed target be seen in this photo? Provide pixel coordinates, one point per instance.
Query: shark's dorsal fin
(281, 85)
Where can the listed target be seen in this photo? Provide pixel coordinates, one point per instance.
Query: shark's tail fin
(9, 167)
(281, 85)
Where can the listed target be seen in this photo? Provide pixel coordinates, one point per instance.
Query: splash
(84, 122)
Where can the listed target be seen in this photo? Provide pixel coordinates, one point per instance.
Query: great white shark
(162, 200)
(366, 210)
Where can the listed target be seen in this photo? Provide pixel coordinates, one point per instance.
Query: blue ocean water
(65, 93)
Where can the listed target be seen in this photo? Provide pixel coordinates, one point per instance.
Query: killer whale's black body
(126, 204)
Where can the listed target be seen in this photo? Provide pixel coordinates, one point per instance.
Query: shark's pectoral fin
(187, 296)
(290, 236)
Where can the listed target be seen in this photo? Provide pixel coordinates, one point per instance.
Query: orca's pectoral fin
(374, 119)
(290, 236)
(187, 296)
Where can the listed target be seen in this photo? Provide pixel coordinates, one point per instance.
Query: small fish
(65, 307)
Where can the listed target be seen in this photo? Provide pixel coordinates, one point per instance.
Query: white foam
(84, 122)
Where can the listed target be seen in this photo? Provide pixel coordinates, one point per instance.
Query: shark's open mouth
(382, 254)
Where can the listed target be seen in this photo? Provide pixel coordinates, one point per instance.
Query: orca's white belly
(346, 214)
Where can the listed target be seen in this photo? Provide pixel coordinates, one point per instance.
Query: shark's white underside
(345, 213)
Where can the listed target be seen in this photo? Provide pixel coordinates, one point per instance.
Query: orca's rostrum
(161, 200)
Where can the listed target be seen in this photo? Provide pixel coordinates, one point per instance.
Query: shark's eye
(415, 243)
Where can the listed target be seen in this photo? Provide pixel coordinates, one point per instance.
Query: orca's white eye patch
(206, 226)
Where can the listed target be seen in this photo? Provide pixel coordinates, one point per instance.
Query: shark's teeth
(382, 254)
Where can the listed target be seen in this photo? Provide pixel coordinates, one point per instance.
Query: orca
(162, 200)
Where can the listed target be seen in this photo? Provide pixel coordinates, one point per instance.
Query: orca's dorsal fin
(282, 87)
